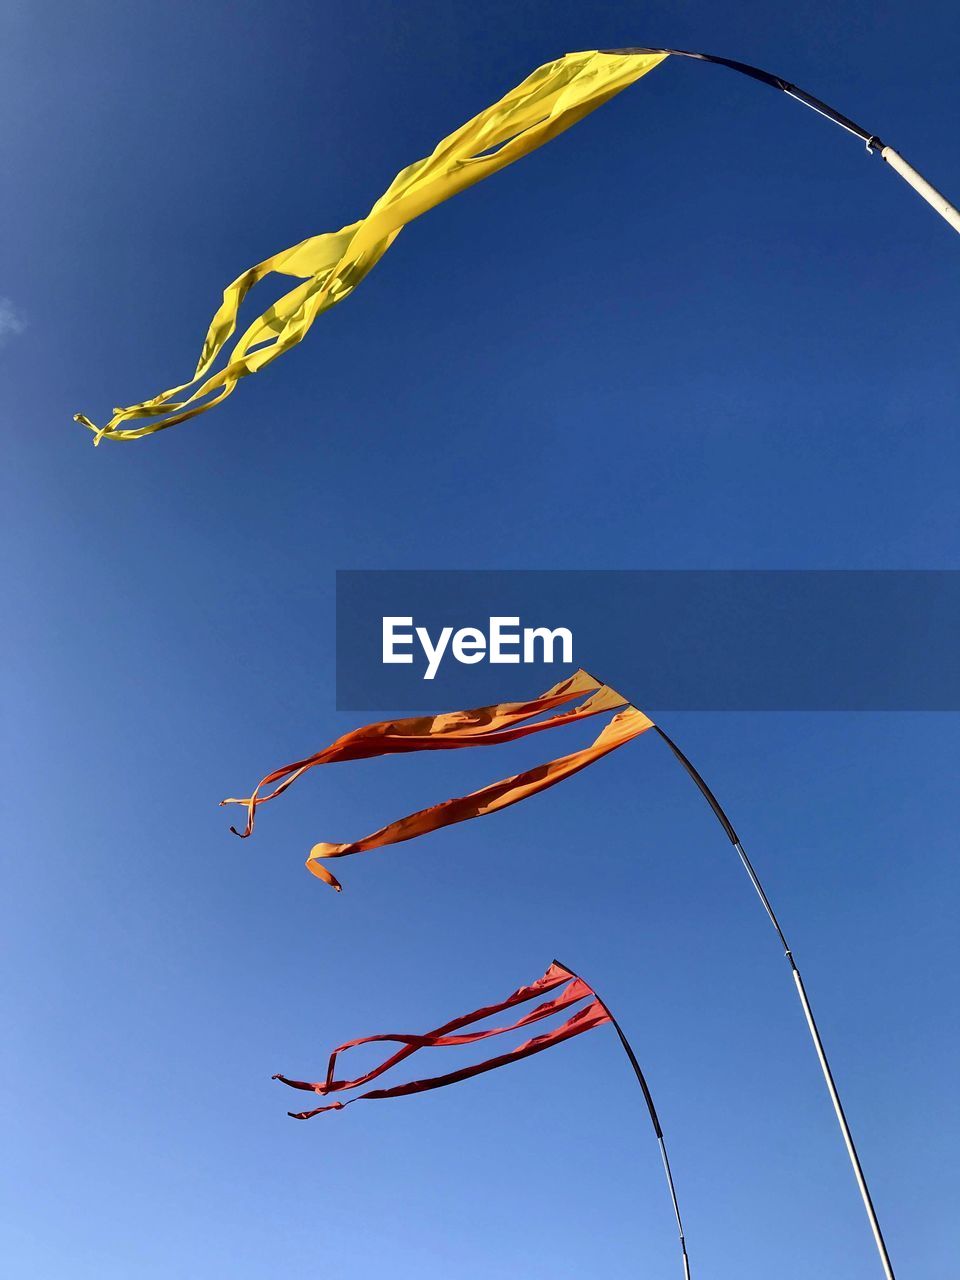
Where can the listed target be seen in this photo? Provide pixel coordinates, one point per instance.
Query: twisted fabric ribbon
(593, 1014)
(483, 726)
(548, 102)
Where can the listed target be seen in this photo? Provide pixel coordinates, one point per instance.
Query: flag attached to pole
(591, 1013)
(565, 991)
(330, 266)
(550, 100)
(482, 726)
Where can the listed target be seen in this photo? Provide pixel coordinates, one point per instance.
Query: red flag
(591, 1014)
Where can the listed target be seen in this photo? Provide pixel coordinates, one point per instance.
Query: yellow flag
(331, 266)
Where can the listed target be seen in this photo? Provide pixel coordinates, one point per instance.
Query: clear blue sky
(703, 329)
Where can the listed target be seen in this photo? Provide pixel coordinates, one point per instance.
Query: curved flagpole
(804, 1001)
(654, 1118)
(923, 188)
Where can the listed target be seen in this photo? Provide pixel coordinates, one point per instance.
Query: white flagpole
(804, 1001)
(933, 197)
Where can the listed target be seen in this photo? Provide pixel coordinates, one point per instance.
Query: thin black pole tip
(651, 1110)
(774, 82)
(705, 791)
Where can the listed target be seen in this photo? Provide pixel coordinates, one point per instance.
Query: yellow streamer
(331, 266)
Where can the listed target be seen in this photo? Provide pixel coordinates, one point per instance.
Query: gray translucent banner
(730, 640)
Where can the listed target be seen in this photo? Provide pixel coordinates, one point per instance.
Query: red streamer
(593, 1014)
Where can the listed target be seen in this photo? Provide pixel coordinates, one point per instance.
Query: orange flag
(482, 726)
